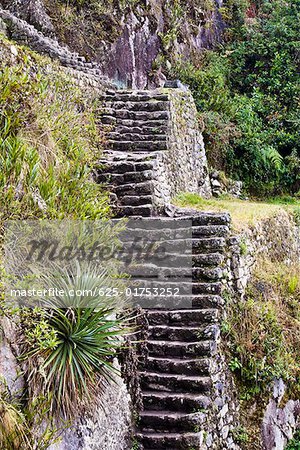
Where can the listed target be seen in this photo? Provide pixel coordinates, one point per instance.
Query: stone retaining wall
(183, 166)
(276, 238)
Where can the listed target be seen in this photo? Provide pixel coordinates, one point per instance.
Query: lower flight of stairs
(177, 376)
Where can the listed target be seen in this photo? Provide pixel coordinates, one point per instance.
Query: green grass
(243, 213)
(49, 142)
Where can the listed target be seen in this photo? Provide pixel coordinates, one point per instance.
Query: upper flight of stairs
(176, 377)
(139, 123)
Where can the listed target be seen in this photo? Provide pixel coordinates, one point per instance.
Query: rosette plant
(71, 347)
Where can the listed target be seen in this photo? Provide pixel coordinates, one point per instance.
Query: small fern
(274, 157)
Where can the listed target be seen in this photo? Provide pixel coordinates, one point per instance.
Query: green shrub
(247, 94)
(294, 444)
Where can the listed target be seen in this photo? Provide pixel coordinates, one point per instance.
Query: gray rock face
(279, 423)
(34, 12)
(106, 425)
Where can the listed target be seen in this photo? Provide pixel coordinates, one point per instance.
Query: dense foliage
(247, 93)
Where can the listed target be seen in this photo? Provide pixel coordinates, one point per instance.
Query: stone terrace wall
(87, 73)
(183, 166)
(276, 238)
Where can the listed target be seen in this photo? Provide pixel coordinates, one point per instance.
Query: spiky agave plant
(87, 329)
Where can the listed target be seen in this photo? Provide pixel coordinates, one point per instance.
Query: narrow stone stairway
(176, 378)
(139, 123)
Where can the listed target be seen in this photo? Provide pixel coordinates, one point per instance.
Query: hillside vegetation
(49, 139)
(248, 96)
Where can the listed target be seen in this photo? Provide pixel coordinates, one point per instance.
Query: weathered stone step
(135, 96)
(135, 200)
(190, 317)
(210, 230)
(211, 219)
(170, 420)
(144, 146)
(181, 302)
(195, 366)
(171, 441)
(181, 349)
(124, 178)
(212, 244)
(139, 123)
(174, 383)
(149, 105)
(182, 402)
(137, 115)
(139, 211)
(179, 287)
(126, 167)
(141, 130)
(208, 259)
(149, 269)
(192, 366)
(134, 137)
(144, 188)
(186, 333)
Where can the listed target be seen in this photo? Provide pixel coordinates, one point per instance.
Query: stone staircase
(140, 122)
(177, 376)
(186, 396)
(155, 150)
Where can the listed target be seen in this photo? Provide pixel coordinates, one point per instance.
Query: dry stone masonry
(156, 150)
(188, 401)
(78, 67)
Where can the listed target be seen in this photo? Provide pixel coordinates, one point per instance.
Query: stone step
(183, 402)
(137, 123)
(144, 188)
(171, 441)
(149, 106)
(186, 333)
(174, 383)
(175, 288)
(137, 115)
(132, 96)
(181, 302)
(181, 349)
(134, 137)
(138, 211)
(141, 130)
(187, 246)
(211, 219)
(124, 178)
(135, 200)
(144, 146)
(190, 317)
(207, 259)
(194, 366)
(123, 167)
(152, 270)
(210, 231)
(170, 420)
(213, 244)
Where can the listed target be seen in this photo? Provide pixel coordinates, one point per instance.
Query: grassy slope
(243, 213)
(49, 139)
